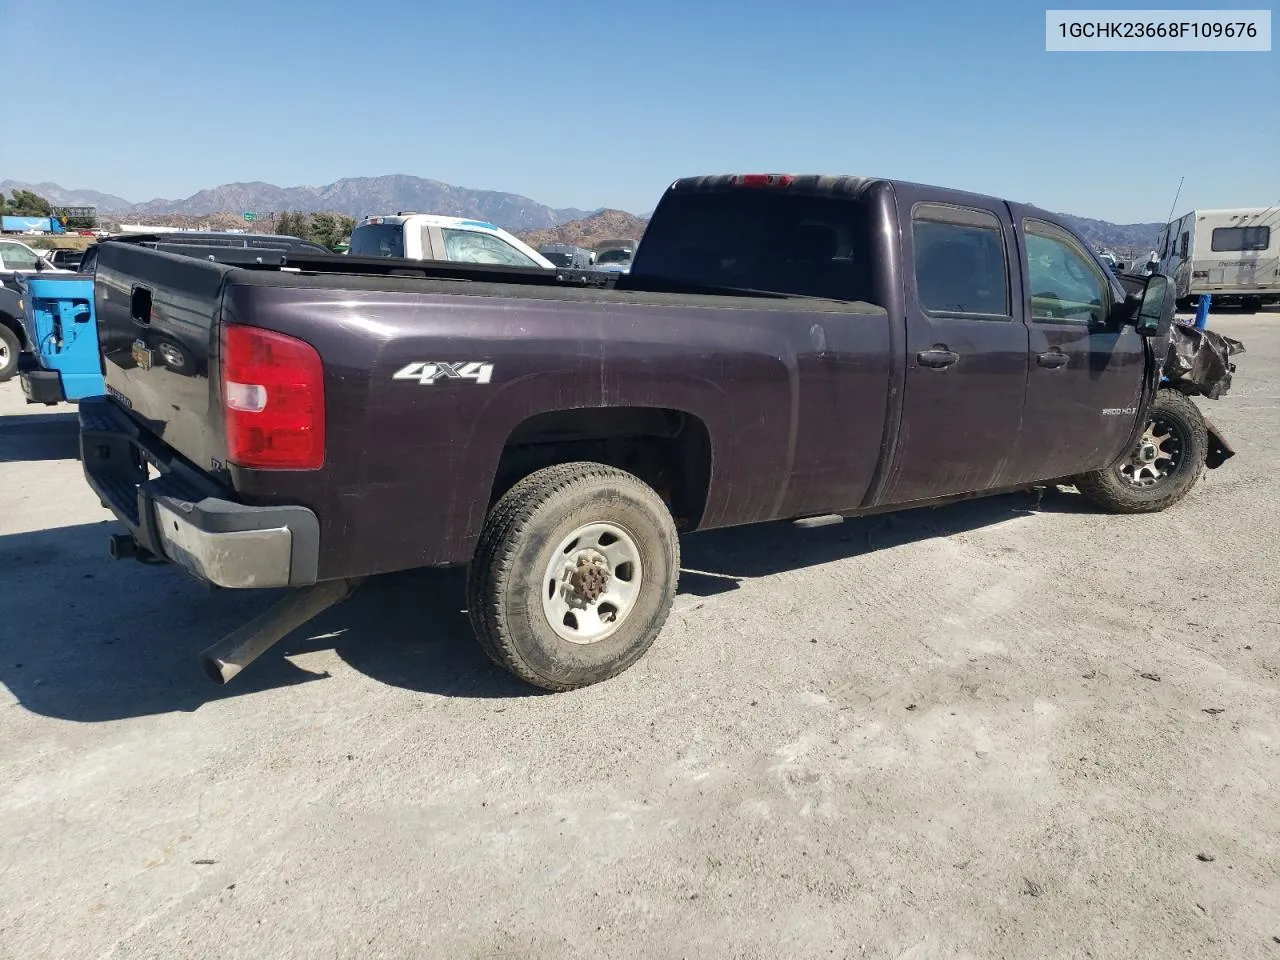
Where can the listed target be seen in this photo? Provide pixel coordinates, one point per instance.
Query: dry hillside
(605, 225)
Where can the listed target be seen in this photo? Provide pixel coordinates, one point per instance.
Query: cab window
(470, 246)
(1065, 285)
(17, 257)
(960, 261)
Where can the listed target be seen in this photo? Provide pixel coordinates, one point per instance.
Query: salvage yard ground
(1011, 728)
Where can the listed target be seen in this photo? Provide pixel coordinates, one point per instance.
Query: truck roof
(851, 186)
(435, 219)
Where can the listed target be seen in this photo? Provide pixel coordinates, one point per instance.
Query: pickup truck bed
(784, 347)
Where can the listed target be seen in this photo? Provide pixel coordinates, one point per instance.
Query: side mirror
(1122, 266)
(41, 264)
(1155, 313)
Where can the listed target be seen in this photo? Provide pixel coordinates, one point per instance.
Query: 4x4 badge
(429, 373)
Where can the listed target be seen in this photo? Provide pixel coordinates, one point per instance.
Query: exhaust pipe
(224, 660)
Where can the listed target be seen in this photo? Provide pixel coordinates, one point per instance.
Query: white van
(428, 236)
(1232, 254)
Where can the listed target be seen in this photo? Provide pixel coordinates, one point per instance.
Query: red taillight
(273, 396)
(763, 180)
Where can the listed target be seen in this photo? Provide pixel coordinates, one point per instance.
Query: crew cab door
(1085, 379)
(966, 363)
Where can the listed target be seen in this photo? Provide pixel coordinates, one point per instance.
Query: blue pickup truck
(62, 361)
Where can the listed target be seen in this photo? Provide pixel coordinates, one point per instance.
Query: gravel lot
(1012, 728)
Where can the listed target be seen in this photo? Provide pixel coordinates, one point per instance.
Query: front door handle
(1052, 359)
(937, 358)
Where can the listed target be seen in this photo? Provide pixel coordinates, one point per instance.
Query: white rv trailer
(1232, 254)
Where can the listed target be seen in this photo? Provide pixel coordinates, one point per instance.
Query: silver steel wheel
(591, 582)
(4, 354)
(1157, 457)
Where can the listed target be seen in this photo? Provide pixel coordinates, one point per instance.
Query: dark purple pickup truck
(803, 347)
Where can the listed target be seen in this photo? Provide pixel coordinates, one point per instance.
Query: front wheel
(9, 349)
(1162, 468)
(574, 575)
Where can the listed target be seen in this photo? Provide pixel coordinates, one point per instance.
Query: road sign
(250, 215)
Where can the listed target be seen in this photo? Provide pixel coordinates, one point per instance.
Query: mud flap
(1219, 450)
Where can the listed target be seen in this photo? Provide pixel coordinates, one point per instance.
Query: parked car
(615, 256)
(422, 236)
(805, 348)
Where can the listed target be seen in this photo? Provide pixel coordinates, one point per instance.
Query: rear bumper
(42, 386)
(184, 516)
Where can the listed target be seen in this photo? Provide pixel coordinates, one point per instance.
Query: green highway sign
(250, 215)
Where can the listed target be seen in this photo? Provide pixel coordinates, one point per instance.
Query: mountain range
(354, 196)
(361, 196)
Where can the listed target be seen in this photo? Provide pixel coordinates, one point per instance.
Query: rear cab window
(768, 239)
(377, 240)
(961, 266)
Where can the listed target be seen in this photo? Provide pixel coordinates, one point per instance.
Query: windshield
(814, 246)
(377, 240)
(614, 256)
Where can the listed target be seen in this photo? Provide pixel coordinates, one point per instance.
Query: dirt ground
(1013, 728)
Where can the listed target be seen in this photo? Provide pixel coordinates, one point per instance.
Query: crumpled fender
(1199, 361)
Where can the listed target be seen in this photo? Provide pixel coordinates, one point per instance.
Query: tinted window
(377, 240)
(614, 256)
(960, 266)
(470, 246)
(1239, 239)
(1065, 285)
(1183, 244)
(760, 239)
(559, 259)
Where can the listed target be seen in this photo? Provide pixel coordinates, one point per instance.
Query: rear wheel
(1162, 468)
(10, 346)
(574, 575)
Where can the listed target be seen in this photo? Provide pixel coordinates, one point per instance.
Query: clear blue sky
(592, 104)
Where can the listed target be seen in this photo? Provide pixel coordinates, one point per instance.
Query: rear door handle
(937, 358)
(1052, 360)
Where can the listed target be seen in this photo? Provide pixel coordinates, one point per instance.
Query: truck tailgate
(157, 316)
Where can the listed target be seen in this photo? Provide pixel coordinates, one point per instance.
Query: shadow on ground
(87, 639)
(40, 436)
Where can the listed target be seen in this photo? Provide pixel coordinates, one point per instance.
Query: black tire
(1250, 304)
(522, 535)
(1114, 490)
(10, 347)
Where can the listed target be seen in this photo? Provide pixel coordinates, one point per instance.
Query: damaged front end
(1199, 364)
